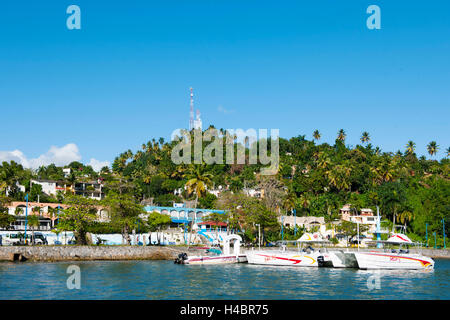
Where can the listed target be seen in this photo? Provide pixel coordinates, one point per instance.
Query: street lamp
(295, 221)
(57, 218)
(434, 239)
(259, 235)
(26, 218)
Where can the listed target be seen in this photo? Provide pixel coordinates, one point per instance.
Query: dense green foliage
(314, 179)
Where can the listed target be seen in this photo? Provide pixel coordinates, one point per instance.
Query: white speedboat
(394, 259)
(306, 257)
(215, 256)
(283, 258)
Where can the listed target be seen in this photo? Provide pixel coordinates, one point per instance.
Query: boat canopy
(399, 238)
(311, 237)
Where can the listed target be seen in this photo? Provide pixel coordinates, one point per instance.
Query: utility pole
(191, 112)
(443, 231)
(259, 236)
(378, 228)
(434, 239)
(295, 222)
(26, 219)
(357, 226)
(57, 215)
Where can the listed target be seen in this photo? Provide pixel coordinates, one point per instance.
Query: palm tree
(377, 151)
(10, 174)
(365, 137)
(304, 200)
(432, 148)
(410, 147)
(33, 222)
(316, 135)
(198, 181)
(289, 201)
(341, 135)
(338, 176)
(405, 216)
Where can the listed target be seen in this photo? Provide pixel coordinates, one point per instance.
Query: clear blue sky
(297, 66)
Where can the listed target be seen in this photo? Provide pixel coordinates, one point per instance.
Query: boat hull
(222, 259)
(295, 259)
(339, 259)
(381, 260)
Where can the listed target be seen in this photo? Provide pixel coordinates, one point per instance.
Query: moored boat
(216, 256)
(306, 257)
(394, 259)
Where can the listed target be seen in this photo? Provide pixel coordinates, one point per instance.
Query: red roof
(213, 223)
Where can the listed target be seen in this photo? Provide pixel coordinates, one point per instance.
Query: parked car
(17, 238)
(11, 239)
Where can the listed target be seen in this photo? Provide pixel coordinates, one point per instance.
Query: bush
(334, 240)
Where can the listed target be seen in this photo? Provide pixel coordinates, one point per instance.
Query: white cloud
(97, 165)
(15, 155)
(223, 110)
(60, 156)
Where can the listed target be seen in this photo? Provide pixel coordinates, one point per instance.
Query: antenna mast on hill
(191, 114)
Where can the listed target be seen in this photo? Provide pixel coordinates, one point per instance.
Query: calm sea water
(165, 280)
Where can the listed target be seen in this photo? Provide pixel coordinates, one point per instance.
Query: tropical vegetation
(314, 179)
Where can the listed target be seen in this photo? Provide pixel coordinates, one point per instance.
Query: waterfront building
(305, 222)
(47, 213)
(181, 215)
(91, 189)
(365, 217)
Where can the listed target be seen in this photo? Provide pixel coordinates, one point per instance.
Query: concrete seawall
(68, 253)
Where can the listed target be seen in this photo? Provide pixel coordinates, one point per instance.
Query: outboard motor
(321, 261)
(181, 258)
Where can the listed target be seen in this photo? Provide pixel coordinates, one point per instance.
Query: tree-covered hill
(315, 179)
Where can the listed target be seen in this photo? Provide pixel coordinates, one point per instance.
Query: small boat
(394, 259)
(306, 257)
(216, 256)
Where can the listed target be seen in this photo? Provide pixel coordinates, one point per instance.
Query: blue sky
(297, 66)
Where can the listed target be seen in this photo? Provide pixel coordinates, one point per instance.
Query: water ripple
(165, 280)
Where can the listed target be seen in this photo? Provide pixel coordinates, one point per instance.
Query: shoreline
(117, 253)
(88, 253)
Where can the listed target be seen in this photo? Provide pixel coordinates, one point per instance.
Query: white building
(50, 187)
(306, 222)
(92, 190)
(365, 217)
(66, 172)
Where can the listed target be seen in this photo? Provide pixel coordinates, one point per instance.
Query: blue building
(184, 215)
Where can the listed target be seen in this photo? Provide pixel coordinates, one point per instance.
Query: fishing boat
(215, 255)
(394, 259)
(302, 257)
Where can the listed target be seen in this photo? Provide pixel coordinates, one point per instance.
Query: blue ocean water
(165, 280)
